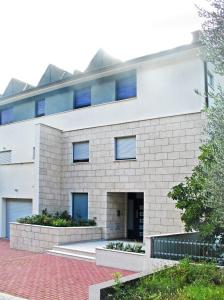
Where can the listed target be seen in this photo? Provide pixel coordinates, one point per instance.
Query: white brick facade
(167, 149)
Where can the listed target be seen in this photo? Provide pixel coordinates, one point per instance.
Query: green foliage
(212, 33)
(201, 196)
(59, 219)
(137, 248)
(185, 281)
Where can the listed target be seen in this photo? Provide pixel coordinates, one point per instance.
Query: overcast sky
(67, 33)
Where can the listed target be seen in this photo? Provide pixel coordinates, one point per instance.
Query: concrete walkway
(46, 277)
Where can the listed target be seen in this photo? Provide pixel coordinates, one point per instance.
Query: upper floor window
(5, 157)
(40, 107)
(6, 116)
(81, 152)
(82, 97)
(126, 87)
(125, 148)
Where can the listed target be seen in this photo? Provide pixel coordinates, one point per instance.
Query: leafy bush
(137, 248)
(59, 219)
(185, 281)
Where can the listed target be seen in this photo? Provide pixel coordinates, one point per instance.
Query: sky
(67, 33)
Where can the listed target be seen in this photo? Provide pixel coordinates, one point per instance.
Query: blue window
(82, 97)
(126, 87)
(6, 116)
(80, 206)
(125, 148)
(81, 151)
(40, 107)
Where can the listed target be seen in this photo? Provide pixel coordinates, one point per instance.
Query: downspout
(206, 83)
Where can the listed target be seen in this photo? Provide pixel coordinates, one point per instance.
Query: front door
(135, 216)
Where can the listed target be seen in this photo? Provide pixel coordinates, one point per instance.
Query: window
(80, 206)
(6, 116)
(5, 157)
(40, 107)
(81, 151)
(125, 148)
(210, 80)
(126, 87)
(82, 97)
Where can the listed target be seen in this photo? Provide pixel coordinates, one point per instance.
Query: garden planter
(120, 259)
(39, 238)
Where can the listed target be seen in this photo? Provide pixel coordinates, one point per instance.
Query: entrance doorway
(135, 216)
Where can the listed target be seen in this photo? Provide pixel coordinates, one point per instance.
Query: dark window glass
(6, 116)
(80, 206)
(126, 87)
(82, 97)
(40, 107)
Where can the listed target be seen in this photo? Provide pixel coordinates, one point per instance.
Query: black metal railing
(177, 247)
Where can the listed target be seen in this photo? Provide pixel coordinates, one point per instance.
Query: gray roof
(100, 60)
(53, 74)
(15, 86)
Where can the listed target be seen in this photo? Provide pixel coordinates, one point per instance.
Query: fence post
(148, 252)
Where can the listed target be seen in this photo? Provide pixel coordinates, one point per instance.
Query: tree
(213, 33)
(201, 197)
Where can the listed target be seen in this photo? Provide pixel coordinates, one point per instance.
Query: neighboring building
(107, 144)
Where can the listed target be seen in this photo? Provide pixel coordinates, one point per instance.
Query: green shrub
(59, 219)
(137, 248)
(186, 281)
(201, 292)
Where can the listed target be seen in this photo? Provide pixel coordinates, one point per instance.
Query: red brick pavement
(47, 277)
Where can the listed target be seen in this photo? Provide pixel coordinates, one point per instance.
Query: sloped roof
(15, 86)
(100, 60)
(53, 74)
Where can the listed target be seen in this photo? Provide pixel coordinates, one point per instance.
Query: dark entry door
(135, 217)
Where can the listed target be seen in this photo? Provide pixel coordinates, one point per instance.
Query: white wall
(164, 89)
(16, 181)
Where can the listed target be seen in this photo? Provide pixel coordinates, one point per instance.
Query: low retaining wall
(120, 259)
(39, 238)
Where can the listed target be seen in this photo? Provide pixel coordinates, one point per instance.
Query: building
(107, 143)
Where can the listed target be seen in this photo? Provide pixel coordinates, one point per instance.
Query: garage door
(16, 208)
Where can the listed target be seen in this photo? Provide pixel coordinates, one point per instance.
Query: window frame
(79, 160)
(75, 106)
(72, 206)
(115, 150)
(36, 108)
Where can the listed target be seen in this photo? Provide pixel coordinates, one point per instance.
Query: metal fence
(182, 246)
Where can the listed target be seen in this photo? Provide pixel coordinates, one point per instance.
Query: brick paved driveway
(43, 276)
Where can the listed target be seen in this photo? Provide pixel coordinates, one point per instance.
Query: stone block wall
(48, 165)
(38, 238)
(167, 150)
(116, 215)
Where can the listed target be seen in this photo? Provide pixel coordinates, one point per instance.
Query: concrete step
(75, 250)
(71, 255)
